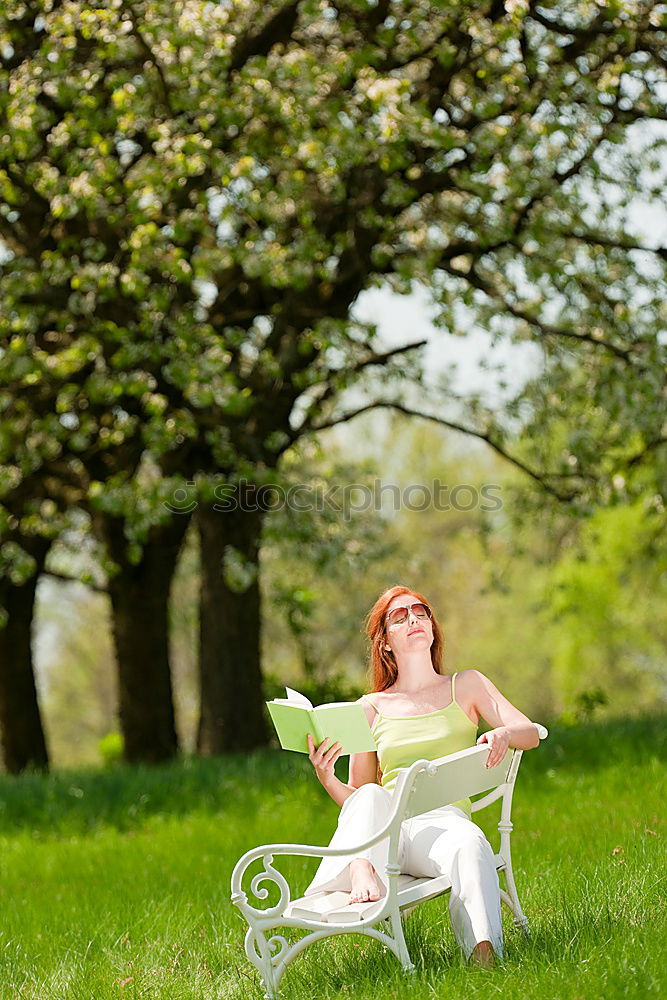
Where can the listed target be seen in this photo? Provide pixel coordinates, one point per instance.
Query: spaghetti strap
(453, 686)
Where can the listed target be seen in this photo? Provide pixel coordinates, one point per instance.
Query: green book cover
(343, 722)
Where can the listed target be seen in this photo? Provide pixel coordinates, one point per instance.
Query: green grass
(115, 884)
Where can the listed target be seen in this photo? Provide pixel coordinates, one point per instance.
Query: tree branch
(453, 425)
(150, 56)
(329, 386)
(278, 28)
(652, 445)
(606, 241)
(24, 38)
(474, 278)
(600, 25)
(75, 579)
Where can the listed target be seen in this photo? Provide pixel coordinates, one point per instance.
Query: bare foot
(364, 884)
(483, 955)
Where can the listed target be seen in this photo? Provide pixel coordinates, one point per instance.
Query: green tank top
(401, 741)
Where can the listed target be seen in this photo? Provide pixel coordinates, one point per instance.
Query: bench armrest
(266, 854)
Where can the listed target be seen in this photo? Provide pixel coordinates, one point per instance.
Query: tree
(193, 198)
(47, 484)
(23, 739)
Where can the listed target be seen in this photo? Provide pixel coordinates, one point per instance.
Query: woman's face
(416, 632)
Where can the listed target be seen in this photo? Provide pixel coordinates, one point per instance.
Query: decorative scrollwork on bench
(277, 947)
(269, 874)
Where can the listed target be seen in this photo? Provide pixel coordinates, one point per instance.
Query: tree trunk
(23, 741)
(140, 611)
(232, 700)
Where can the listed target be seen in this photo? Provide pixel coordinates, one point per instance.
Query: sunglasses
(400, 615)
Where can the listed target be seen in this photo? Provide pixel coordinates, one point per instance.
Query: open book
(344, 722)
(332, 907)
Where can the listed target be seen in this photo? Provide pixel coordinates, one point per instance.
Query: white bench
(423, 786)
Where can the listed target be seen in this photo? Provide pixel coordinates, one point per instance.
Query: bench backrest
(430, 784)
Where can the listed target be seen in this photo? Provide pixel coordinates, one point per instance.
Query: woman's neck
(415, 672)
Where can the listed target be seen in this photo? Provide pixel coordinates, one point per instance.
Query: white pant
(440, 842)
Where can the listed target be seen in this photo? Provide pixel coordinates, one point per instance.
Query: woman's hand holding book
(323, 758)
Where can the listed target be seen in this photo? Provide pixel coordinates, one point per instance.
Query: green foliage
(604, 595)
(111, 748)
(588, 702)
(75, 666)
(191, 201)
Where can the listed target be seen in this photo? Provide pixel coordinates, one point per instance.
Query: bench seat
(333, 907)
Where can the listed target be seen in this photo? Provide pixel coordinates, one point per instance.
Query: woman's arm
(363, 766)
(511, 728)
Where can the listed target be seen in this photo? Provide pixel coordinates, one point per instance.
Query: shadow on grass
(123, 797)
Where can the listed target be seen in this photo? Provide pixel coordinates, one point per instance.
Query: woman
(415, 712)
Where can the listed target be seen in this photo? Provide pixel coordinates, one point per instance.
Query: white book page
(296, 698)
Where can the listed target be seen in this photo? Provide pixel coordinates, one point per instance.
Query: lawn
(115, 884)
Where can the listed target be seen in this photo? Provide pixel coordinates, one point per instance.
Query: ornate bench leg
(258, 950)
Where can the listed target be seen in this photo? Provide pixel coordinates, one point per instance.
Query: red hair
(382, 668)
